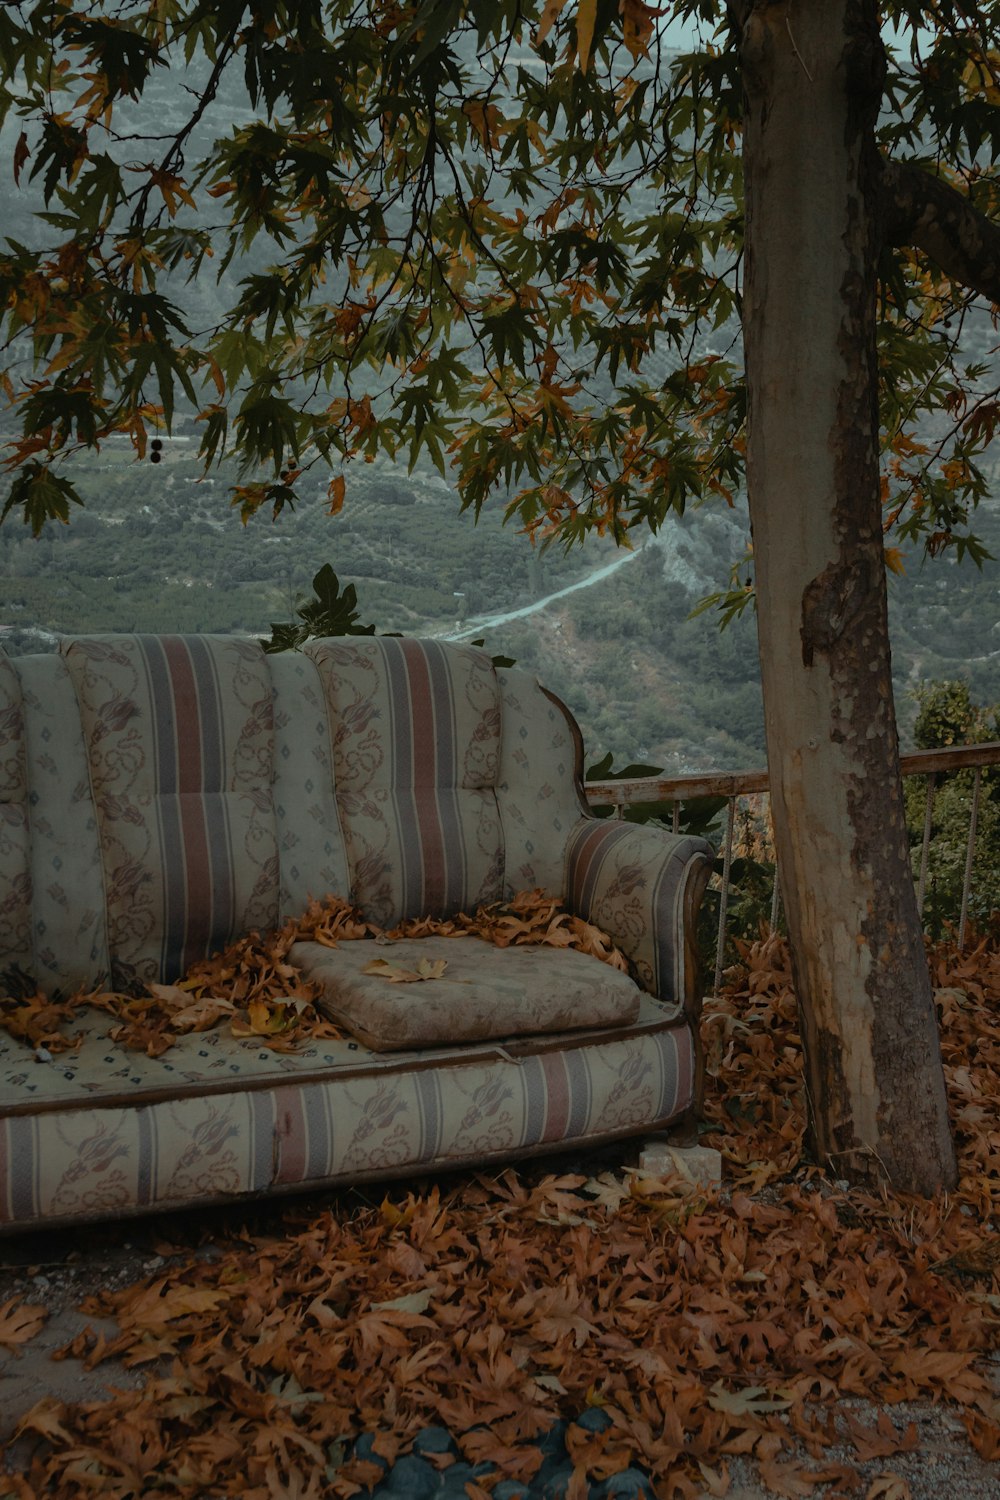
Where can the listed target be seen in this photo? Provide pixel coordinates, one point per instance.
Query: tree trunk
(813, 76)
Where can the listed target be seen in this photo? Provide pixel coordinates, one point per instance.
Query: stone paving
(427, 1474)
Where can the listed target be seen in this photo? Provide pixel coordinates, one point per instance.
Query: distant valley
(158, 549)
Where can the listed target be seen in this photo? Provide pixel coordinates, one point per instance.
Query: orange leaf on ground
(888, 1487)
(792, 1479)
(19, 1322)
(983, 1434)
(882, 1440)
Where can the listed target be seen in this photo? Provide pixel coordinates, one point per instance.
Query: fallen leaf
(791, 1479)
(19, 1322)
(888, 1487)
(414, 1302)
(716, 1480)
(396, 974)
(158, 1305)
(984, 1435)
(982, 1259)
(753, 1400)
(46, 1418)
(882, 1440)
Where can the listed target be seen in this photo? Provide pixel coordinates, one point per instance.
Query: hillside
(157, 550)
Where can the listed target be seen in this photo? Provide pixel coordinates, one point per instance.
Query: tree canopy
(507, 235)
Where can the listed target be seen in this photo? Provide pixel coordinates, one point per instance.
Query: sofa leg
(683, 1132)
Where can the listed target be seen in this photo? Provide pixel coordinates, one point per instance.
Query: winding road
(490, 622)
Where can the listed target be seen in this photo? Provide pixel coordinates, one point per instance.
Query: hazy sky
(682, 34)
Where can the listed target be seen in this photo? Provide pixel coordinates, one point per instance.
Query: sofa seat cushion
(99, 1131)
(481, 992)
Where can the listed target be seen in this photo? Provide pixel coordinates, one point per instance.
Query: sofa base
(295, 1121)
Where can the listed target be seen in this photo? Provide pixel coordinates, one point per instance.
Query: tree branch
(928, 213)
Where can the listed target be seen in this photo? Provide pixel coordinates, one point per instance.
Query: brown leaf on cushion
(382, 969)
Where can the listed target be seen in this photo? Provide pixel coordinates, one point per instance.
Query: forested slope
(156, 549)
(159, 548)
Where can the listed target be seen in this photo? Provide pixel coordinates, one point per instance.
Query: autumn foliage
(747, 1320)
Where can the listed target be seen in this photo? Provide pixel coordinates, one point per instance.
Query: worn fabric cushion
(103, 1131)
(68, 923)
(484, 992)
(15, 855)
(179, 736)
(416, 733)
(632, 879)
(537, 791)
(310, 839)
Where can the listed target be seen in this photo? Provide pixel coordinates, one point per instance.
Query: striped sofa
(161, 796)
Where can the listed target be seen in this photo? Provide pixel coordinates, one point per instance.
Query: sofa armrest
(642, 885)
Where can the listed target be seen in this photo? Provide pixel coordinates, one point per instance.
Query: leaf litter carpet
(652, 1327)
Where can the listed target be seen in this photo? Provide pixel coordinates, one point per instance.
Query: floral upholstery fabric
(312, 857)
(100, 1132)
(68, 924)
(536, 785)
(416, 735)
(13, 762)
(483, 993)
(98, 1163)
(179, 735)
(15, 847)
(631, 880)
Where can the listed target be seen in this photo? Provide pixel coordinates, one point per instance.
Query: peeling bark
(813, 77)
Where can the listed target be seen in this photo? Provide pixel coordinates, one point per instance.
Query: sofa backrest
(15, 845)
(539, 783)
(416, 741)
(312, 858)
(64, 891)
(179, 738)
(163, 795)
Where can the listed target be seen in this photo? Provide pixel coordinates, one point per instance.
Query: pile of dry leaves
(706, 1325)
(252, 988)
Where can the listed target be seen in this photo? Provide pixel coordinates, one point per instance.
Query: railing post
(925, 844)
(727, 860)
(970, 850)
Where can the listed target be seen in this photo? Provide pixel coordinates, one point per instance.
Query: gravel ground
(59, 1268)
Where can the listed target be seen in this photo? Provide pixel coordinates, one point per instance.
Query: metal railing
(735, 786)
